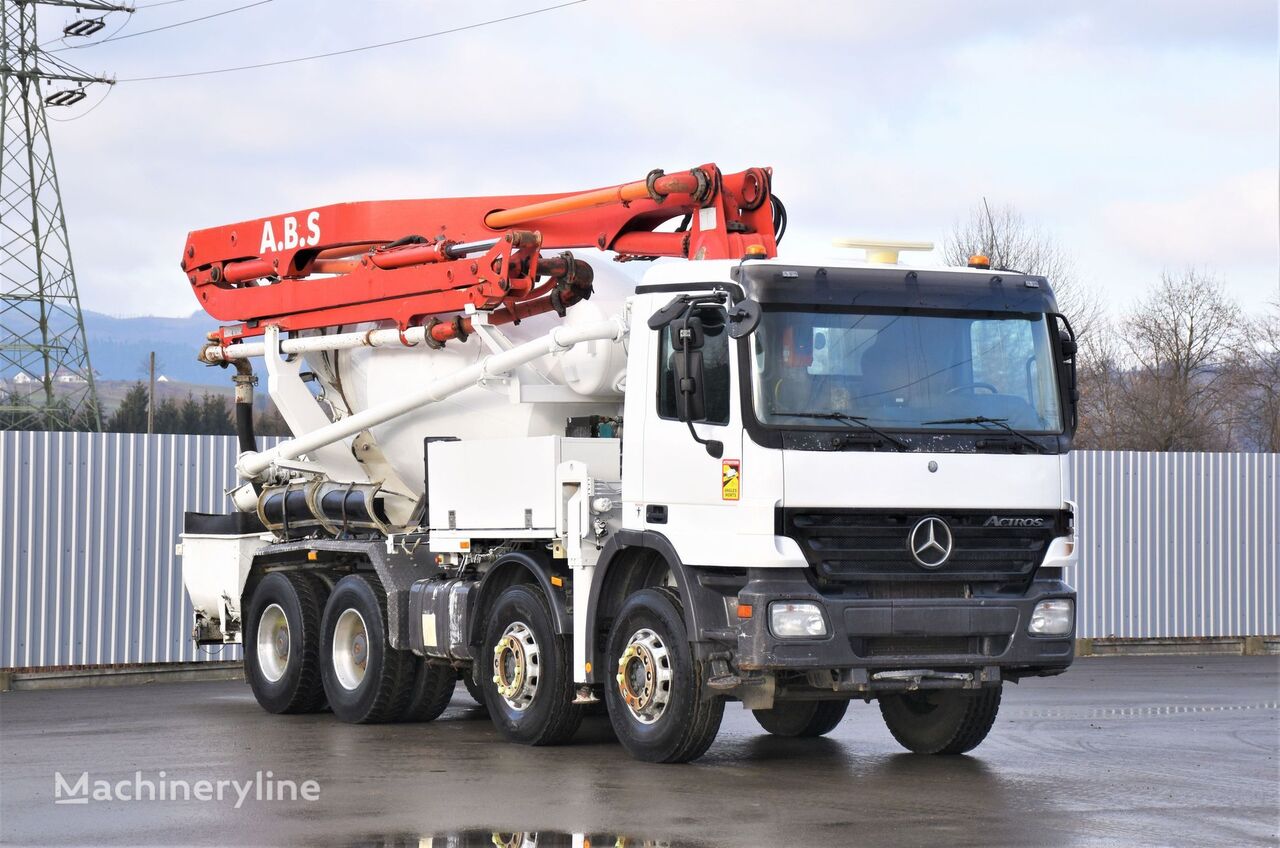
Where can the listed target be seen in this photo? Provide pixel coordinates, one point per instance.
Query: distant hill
(118, 348)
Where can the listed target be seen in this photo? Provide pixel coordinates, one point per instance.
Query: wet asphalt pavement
(1119, 751)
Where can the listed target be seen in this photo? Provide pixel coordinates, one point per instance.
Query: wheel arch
(638, 559)
(336, 558)
(519, 567)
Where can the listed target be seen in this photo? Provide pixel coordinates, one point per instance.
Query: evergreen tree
(131, 415)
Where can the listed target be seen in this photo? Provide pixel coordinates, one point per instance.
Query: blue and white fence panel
(1173, 545)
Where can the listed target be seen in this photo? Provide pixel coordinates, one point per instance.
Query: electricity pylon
(42, 338)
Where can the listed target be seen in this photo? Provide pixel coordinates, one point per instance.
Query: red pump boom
(409, 261)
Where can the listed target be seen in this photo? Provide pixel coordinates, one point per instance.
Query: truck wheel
(941, 721)
(529, 689)
(468, 676)
(433, 686)
(802, 718)
(282, 643)
(365, 679)
(656, 696)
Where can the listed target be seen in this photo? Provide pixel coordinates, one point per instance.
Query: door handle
(655, 514)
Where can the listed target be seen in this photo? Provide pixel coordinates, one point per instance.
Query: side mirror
(687, 339)
(1068, 344)
(1067, 369)
(744, 317)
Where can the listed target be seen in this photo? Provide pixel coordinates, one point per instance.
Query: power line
(115, 37)
(355, 49)
(159, 3)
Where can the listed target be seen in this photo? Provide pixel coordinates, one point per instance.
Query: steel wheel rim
(350, 649)
(517, 667)
(644, 676)
(273, 643)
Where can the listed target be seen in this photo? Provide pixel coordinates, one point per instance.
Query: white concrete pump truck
(785, 483)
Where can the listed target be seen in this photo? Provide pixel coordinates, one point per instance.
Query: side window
(715, 367)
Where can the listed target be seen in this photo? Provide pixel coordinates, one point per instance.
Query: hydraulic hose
(244, 380)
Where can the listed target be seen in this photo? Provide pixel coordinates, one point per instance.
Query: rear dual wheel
(802, 718)
(282, 642)
(941, 721)
(365, 679)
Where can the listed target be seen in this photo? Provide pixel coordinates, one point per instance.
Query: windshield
(903, 371)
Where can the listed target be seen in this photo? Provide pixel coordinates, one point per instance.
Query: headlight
(796, 620)
(1052, 618)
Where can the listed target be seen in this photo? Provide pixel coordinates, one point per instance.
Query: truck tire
(468, 676)
(365, 679)
(802, 718)
(655, 691)
(528, 690)
(433, 686)
(282, 643)
(941, 721)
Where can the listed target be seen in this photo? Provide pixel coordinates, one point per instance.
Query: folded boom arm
(411, 261)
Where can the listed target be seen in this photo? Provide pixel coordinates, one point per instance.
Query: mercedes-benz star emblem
(930, 542)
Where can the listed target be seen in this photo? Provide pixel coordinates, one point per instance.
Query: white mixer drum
(371, 376)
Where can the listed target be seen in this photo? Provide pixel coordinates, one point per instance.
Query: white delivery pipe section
(558, 340)
(412, 337)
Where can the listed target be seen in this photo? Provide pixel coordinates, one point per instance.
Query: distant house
(68, 377)
(162, 379)
(23, 377)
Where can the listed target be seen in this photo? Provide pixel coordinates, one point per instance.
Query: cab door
(690, 496)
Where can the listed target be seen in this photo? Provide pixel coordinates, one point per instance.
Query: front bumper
(980, 632)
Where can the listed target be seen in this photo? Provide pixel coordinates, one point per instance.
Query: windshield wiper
(860, 420)
(999, 422)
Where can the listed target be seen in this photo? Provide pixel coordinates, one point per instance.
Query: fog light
(796, 619)
(1052, 618)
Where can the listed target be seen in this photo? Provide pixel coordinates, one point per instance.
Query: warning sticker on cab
(730, 479)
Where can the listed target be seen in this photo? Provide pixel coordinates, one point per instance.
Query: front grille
(930, 646)
(872, 545)
(884, 590)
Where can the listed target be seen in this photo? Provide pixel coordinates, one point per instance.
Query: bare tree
(1002, 235)
(1171, 375)
(1256, 381)
(1102, 424)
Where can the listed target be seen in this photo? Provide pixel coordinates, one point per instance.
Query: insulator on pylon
(83, 27)
(66, 97)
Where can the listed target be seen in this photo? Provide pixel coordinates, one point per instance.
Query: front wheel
(657, 701)
(802, 718)
(941, 721)
(529, 687)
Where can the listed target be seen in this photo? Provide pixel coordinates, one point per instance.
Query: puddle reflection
(517, 839)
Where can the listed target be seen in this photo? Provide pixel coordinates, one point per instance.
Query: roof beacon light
(883, 251)
(977, 260)
(757, 251)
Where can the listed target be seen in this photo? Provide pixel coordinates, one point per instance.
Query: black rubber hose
(244, 427)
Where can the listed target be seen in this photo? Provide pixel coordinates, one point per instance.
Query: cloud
(1231, 220)
(881, 118)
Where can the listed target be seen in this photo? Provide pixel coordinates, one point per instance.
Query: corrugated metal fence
(1178, 544)
(1173, 544)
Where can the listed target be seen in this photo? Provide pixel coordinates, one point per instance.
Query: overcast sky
(1143, 135)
